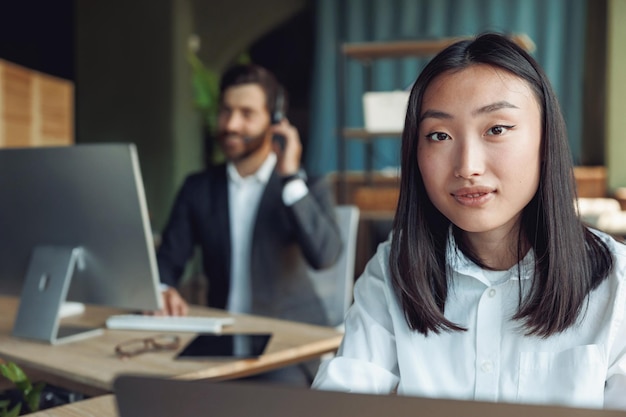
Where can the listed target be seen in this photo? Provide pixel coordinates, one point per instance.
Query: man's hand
(173, 303)
(288, 162)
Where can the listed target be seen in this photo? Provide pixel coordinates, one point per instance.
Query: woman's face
(479, 148)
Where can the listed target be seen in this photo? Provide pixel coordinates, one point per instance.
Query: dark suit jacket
(284, 240)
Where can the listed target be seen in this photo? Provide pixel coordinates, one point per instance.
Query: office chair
(592, 209)
(334, 284)
(613, 223)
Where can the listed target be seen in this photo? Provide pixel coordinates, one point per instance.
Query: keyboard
(195, 324)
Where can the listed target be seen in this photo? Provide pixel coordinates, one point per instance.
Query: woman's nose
(469, 158)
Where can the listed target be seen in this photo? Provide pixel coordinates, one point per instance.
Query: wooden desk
(102, 406)
(90, 365)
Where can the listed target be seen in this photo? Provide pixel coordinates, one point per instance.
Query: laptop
(160, 397)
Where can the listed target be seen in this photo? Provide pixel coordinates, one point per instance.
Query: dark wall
(39, 34)
(287, 51)
(124, 87)
(594, 103)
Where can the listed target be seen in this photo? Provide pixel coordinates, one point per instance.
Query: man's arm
(175, 250)
(310, 202)
(317, 230)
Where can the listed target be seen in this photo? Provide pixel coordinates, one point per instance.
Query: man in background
(258, 219)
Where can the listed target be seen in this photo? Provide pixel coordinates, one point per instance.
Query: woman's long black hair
(570, 261)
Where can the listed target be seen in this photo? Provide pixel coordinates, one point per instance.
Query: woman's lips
(474, 197)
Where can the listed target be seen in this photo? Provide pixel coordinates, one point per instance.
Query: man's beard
(251, 145)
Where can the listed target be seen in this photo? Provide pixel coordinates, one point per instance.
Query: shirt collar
(458, 262)
(262, 175)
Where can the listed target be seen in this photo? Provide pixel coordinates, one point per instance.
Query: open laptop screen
(159, 397)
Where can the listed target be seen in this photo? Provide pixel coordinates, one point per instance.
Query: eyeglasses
(156, 343)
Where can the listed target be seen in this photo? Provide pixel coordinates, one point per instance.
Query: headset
(278, 114)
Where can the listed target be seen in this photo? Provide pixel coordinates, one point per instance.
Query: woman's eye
(499, 130)
(437, 136)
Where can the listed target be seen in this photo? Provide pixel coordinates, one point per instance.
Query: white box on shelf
(384, 111)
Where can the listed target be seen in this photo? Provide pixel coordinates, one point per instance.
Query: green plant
(30, 393)
(206, 91)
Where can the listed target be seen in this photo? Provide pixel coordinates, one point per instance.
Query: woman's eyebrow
(494, 107)
(435, 114)
(438, 114)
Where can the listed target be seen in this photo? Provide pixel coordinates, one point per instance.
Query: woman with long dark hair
(490, 286)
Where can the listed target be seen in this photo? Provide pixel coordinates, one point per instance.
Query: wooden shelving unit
(363, 134)
(368, 51)
(36, 109)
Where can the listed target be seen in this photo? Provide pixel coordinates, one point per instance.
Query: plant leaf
(14, 412)
(30, 393)
(13, 373)
(33, 397)
(205, 83)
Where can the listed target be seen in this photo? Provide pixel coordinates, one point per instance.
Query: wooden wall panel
(35, 109)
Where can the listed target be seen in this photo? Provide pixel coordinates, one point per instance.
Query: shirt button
(492, 292)
(487, 367)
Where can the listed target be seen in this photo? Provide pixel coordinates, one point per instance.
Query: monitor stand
(45, 288)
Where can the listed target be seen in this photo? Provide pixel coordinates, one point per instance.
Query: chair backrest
(334, 284)
(591, 209)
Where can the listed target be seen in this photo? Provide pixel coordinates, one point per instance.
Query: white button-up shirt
(493, 360)
(244, 197)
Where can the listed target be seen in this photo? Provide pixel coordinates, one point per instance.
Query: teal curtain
(557, 27)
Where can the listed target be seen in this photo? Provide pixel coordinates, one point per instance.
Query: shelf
(377, 215)
(400, 49)
(362, 134)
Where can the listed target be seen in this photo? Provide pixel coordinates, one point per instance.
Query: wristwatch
(300, 174)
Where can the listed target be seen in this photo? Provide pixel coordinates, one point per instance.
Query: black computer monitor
(74, 226)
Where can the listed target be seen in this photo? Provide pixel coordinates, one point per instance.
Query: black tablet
(225, 346)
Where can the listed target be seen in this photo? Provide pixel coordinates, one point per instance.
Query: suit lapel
(219, 231)
(220, 213)
(267, 214)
